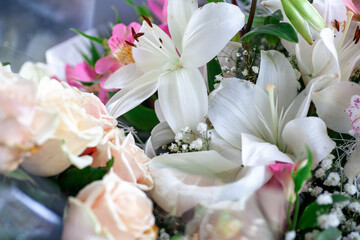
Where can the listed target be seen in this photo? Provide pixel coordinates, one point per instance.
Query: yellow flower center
(124, 54)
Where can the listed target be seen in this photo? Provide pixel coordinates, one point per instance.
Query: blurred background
(29, 27)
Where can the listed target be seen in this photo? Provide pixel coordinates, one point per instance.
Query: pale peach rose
(80, 125)
(20, 132)
(130, 161)
(110, 209)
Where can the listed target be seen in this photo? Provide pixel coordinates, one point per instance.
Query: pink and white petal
(332, 102)
(107, 64)
(235, 108)
(276, 69)
(179, 13)
(352, 166)
(122, 77)
(311, 132)
(216, 21)
(160, 135)
(133, 94)
(257, 152)
(154, 50)
(183, 98)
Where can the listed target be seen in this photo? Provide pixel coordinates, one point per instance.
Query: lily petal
(224, 148)
(160, 135)
(133, 94)
(122, 77)
(179, 14)
(230, 114)
(257, 152)
(183, 98)
(311, 132)
(216, 21)
(154, 50)
(276, 69)
(331, 103)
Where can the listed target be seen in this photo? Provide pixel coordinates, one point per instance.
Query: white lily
(198, 35)
(240, 114)
(336, 50)
(267, 121)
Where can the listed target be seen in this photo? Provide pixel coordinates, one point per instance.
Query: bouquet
(215, 120)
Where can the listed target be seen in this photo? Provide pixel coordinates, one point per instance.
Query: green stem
(296, 212)
(251, 18)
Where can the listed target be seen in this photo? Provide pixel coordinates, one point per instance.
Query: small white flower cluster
(312, 235)
(188, 140)
(324, 199)
(353, 236)
(333, 179)
(163, 235)
(328, 220)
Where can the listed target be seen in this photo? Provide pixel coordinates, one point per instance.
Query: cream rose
(130, 161)
(20, 127)
(81, 125)
(110, 209)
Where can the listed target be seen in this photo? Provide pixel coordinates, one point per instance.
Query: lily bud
(301, 13)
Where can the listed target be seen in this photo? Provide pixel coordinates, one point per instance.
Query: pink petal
(103, 96)
(136, 27)
(165, 28)
(353, 6)
(107, 64)
(157, 7)
(83, 72)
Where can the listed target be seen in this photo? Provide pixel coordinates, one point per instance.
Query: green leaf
(329, 234)
(213, 69)
(73, 179)
(142, 118)
(309, 217)
(92, 38)
(281, 30)
(272, 40)
(5, 63)
(303, 171)
(209, 1)
(177, 236)
(117, 15)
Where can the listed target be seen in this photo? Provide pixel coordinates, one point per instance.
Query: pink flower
(282, 175)
(110, 209)
(130, 162)
(354, 6)
(354, 114)
(83, 72)
(159, 8)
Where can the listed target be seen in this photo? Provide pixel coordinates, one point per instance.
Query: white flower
(202, 128)
(290, 235)
(179, 136)
(267, 121)
(324, 199)
(320, 173)
(158, 66)
(197, 144)
(354, 206)
(328, 220)
(353, 236)
(350, 189)
(333, 179)
(255, 69)
(316, 191)
(326, 164)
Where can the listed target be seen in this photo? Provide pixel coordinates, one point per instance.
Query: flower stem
(251, 18)
(296, 212)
